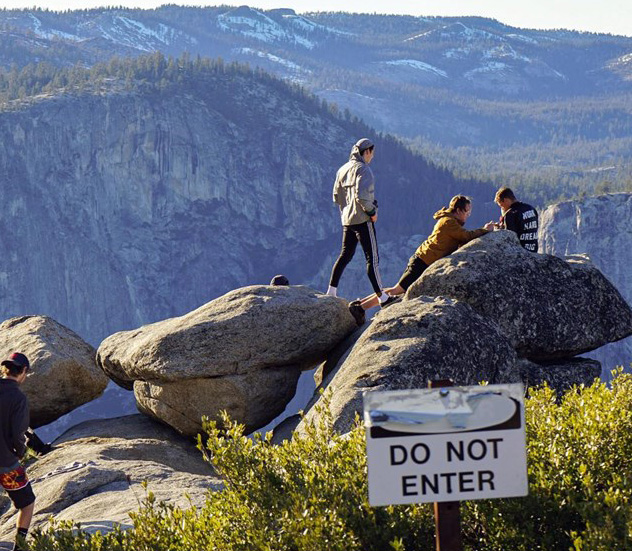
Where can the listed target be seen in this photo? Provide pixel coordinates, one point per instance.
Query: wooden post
(447, 514)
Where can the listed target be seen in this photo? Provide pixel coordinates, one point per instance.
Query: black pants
(415, 268)
(365, 234)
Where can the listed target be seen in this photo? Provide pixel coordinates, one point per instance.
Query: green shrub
(307, 494)
(580, 476)
(310, 493)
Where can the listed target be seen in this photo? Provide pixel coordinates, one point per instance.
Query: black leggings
(365, 234)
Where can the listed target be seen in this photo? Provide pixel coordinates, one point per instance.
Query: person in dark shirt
(519, 218)
(14, 422)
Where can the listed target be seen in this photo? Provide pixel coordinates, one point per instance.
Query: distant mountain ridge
(486, 97)
(467, 54)
(139, 198)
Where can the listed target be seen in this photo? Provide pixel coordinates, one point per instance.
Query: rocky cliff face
(128, 208)
(600, 228)
(124, 205)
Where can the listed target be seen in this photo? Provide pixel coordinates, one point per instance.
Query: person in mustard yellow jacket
(446, 237)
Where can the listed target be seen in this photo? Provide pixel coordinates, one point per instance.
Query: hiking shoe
(389, 301)
(357, 312)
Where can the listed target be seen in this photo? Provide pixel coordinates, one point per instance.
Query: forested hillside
(547, 111)
(141, 188)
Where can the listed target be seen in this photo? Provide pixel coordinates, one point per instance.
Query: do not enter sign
(445, 444)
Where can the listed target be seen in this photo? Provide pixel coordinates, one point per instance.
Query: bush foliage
(310, 493)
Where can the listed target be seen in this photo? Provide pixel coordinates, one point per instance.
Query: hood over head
(359, 147)
(442, 213)
(445, 212)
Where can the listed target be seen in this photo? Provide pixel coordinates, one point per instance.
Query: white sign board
(445, 444)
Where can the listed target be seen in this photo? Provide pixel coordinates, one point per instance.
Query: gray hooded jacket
(354, 190)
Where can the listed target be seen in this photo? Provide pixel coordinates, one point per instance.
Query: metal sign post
(448, 526)
(448, 514)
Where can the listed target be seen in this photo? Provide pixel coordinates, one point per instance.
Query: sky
(604, 16)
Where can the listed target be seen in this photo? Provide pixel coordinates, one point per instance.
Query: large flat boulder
(111, 460)
(65, 375)
(247, 329)
(415, 341)
(242, 353)
(547, 307)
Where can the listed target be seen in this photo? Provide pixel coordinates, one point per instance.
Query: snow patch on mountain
(504, 51)
(456, 31)
(38, 30)
(468, 33)
(264, 29)
(134, 34)
(119, 29)
(259, 26)
(600, 169)
(302, 23)
(119, 36)
(419, 65)
(457, 53)
(623, 60)
(163, 33)
(417, 36)
(270, 57)
(559, 75)
(622, 66)
(306, 25)
(522, 38)
(489, 67)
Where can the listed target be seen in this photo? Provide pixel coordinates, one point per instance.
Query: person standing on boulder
(354, 193)
(446, 237)
(518, 217)
(14, 422)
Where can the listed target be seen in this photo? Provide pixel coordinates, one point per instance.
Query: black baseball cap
(17, 359)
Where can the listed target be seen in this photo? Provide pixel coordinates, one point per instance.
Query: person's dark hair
(13, 370)
(279, 280)
(504, 193)
(458, 202)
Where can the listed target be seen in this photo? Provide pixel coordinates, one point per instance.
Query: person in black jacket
(14, 422)
(519, 218)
